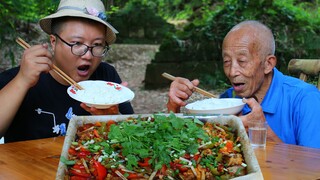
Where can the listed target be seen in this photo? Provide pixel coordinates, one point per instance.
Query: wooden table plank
(283, 161)
(38, 159)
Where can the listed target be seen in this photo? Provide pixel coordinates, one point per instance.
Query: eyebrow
(237, 52)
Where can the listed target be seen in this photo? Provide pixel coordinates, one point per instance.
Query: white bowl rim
(226, 108)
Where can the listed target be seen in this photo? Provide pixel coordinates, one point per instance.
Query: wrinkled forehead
(240, 37)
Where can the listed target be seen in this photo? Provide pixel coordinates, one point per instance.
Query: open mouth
(238, 86)
(83, 70)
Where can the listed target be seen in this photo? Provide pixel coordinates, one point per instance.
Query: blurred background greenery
(188, 32)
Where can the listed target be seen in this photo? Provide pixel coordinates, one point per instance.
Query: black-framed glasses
(80, 49)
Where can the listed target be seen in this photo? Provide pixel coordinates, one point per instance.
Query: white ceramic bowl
(216, 106)
(100, 94)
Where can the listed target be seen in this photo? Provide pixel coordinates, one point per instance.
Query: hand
(180, 90)
(257, 114)
(35, 60)
(94, 111)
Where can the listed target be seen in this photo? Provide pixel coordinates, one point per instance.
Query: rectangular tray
(253, 168)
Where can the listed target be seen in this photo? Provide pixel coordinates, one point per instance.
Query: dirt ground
(131, 66)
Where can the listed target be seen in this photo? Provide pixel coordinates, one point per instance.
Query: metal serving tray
(253, 168)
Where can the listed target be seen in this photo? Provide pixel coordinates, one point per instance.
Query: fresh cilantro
(157, 139)
(94, 147)
(197, 121)
(115, 133)
(132, 161)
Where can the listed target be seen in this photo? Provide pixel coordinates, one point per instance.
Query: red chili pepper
(79, 167)
(80, 174)
(229, 146)
(72, 151)
(196, 157)
(144, 163)
(163, 170)
(220, 167)
(109, 123)
(178, 166)
(101, 170)
(134, 176)
(181, 168)
(97, 124)
(83, 153)
(85, 126)
(96, 134)
(110, 84)
(187, 156)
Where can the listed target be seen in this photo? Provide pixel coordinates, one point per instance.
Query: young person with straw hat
(35, 100)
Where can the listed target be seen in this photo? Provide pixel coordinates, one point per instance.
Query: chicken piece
(236, 159)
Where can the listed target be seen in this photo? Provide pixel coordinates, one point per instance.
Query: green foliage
(137, 23)
(16, 17)
(295, 27)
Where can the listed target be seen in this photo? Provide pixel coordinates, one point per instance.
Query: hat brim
(46, 22)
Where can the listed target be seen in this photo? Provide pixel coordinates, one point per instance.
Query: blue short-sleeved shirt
(292, 110)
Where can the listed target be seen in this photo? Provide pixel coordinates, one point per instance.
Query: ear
(53, 41)
(269, 63)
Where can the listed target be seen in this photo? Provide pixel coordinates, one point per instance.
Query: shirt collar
(270, 103)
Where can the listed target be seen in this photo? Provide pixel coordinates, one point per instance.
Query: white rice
(214, 103)
(99, 92)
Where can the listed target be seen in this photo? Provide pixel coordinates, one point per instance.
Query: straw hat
(90, 9)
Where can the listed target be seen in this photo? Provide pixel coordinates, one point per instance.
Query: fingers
(85, 107)
(35, 60)
(195, 82)
(124, 83)
(94, 111)
(255, 114)
(250, 101)
(180, 90)
(253, 104)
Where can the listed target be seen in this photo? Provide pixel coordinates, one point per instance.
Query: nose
(234, 69)
(88, 55)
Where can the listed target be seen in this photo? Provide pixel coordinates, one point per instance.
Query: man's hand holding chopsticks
(35, 60)
(180, 90)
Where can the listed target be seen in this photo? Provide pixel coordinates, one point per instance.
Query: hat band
(88, 10)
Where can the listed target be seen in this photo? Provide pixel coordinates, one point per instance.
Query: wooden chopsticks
(199, 90)
(63, 75)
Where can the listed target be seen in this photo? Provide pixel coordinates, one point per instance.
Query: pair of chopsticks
(63, 75)
(199, 90)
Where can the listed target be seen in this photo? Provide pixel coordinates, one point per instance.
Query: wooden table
(38, 159)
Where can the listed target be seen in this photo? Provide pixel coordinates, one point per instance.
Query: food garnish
(155, 147)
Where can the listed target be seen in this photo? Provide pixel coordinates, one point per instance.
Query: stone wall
(188, 69)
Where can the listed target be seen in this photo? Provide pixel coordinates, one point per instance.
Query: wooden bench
(305, 68)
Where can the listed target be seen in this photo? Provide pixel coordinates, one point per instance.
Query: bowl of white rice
(100, 94)
(216, 106)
